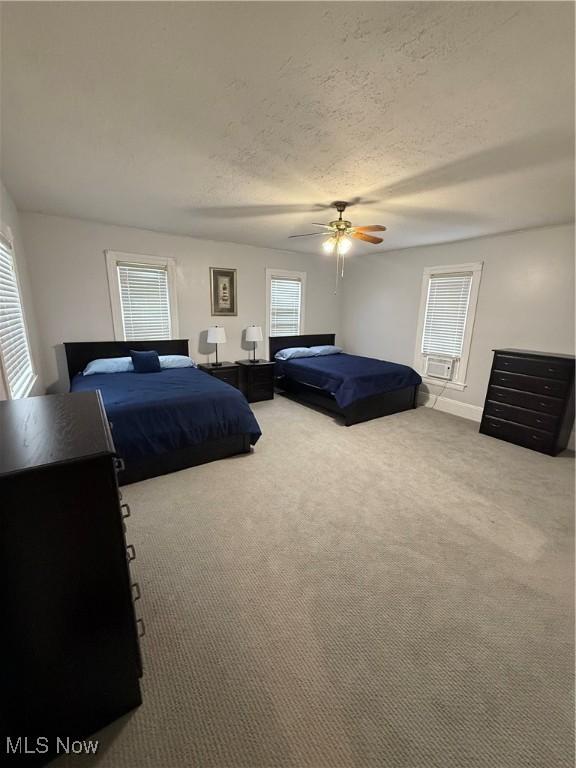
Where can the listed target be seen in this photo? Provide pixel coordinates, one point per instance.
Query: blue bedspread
(153, 413)
(349, 377)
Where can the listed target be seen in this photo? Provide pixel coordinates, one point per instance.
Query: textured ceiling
(239, 121)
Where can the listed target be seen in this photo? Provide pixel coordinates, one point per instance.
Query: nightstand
(228, 372)
(256, 379)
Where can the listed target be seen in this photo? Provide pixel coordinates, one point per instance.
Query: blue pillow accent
(145, 362)
(109, 365)
(291, 352)
(176, 361)
(325, 349)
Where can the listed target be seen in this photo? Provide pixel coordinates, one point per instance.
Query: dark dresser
(257, 379)
(530, 399)
(69, 641)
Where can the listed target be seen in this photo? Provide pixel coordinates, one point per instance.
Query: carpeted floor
(394, 594)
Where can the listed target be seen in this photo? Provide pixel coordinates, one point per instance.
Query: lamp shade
(253, 333)
(216, 335)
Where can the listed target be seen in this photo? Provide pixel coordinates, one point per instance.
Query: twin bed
(180, 417)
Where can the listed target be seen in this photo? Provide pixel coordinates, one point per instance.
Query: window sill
(444, 384)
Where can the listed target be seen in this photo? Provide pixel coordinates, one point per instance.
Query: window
(447, 309)
(445, 315)
(285, 302)
(17, 367)
(142, 296)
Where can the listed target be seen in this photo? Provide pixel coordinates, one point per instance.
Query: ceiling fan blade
(367, 238)
(309, 234)
(326, 226)
(371, 228)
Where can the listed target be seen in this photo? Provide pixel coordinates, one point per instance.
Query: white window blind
(14, 346)
(285, 306)
(145, 301)
(446, 314)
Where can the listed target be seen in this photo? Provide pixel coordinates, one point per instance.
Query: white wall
(526, 299)
(10, 220)
(70, 284)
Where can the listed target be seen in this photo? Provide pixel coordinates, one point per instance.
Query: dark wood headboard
(80, 353)
(276, 343)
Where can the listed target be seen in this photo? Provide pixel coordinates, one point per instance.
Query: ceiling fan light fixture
(329, 245)
(344, 245)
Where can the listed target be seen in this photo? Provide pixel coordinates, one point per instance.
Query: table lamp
(216, 335)
(254, 333)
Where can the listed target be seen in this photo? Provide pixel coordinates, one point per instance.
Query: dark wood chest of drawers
(69, 640)
(530, 399)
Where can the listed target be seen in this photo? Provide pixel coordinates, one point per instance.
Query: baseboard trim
(455, 407)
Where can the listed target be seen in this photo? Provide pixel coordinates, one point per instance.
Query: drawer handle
(546, 386)
(495, 426)
(141, 627)
(136, 593)
(130, 552)
(539, 421)
(125, 509)
(543, 405)
(535, 437)
(551, 370)
(498, 410)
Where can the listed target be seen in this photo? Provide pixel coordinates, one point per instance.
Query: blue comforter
(154, 413)
(349, 377)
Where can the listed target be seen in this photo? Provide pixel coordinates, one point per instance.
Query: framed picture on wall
(223, 291)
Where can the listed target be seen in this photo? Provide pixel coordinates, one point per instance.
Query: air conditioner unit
(440, 368)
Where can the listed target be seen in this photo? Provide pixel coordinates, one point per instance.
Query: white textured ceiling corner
(237, 121)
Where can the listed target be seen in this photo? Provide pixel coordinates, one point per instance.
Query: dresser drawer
(230, 377)
(540, 403)
(262, 375)
(548, 369)
(261, 393)
(526, 383)
(543, 421)
(515, 433)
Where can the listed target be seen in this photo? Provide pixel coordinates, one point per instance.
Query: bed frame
(365, 409)
(80, 353)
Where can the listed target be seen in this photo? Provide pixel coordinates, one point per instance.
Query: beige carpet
(394, 594)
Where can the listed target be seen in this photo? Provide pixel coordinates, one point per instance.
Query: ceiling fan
(339, 234)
